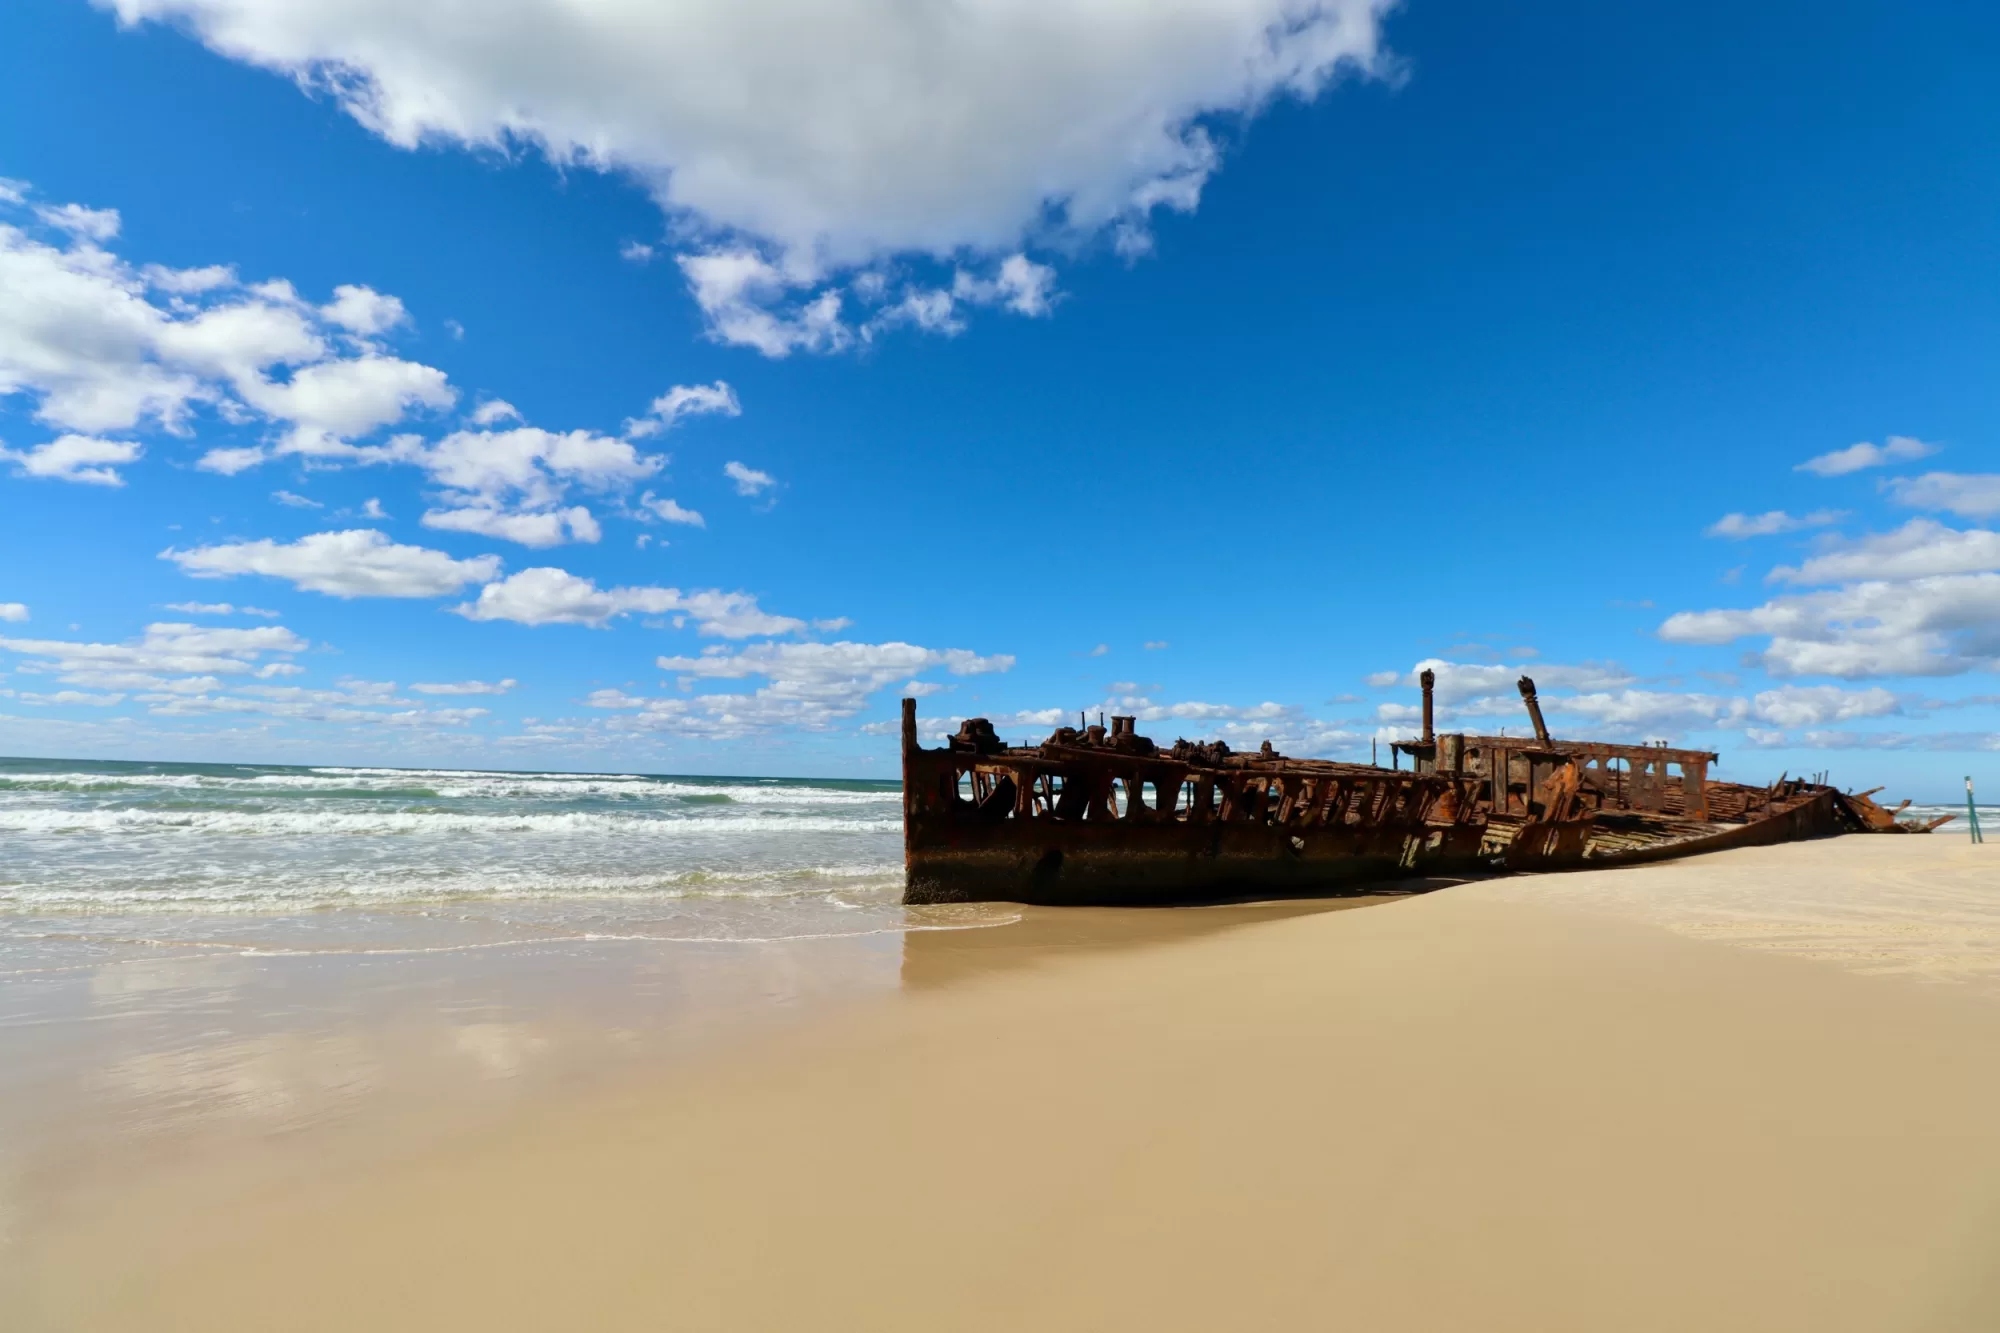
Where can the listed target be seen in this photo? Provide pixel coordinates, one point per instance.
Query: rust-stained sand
(1497, 1107)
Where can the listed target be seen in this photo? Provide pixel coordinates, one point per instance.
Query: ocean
(95, 855)
(186, 942)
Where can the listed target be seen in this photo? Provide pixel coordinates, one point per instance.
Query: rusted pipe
(1428, 680)
(909, 725)
(1527, 687)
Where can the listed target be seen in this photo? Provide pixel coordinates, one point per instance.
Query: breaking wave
(444, 785)
(854, 885)
(319, 823)
(84, 846)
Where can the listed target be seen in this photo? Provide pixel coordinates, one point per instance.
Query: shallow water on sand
(187, 945)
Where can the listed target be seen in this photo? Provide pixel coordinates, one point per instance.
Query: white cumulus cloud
(1969, 495)
(1582, 704)
(464, 686)
(103, 345)
(1020, 284)
(512, 483)
(1922, 600)
(331, 403)
(358, 562)
(363, 310)
(71, 698)
(684, 400)
(1934, 626)
(1651, 714)
(548, 596)
(1457, 682)
(1817, 705)
(164, 648)
(219, 609)
(749, 481)
(750, 301)
(807, 685)
(1919, 548)
(670, 511)
(230, 461)
(83, 458)
(538, 528)
(493, 412)
(1856, 457)
(92, 224)
(736, 615)
(823, 136)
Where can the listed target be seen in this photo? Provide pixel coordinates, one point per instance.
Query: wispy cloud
(1969, 495)
(749, 481)
(1855, 457)
(1739, 526)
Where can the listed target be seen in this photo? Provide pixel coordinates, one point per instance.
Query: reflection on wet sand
(139, 1058)
(142, 1061)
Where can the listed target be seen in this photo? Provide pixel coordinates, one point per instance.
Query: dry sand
(1520, 1105)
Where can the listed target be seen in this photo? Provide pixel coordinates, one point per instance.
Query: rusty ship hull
(1552, 804)
(1104, 817)
(1092, 817)
(1104, 865)
(1624, 837)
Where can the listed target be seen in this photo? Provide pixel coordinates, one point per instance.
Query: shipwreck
(1098, 815)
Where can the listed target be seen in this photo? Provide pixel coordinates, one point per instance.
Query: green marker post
(1972, 812)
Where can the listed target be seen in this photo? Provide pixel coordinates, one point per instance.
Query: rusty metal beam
(1527, 688)
(1598, 749)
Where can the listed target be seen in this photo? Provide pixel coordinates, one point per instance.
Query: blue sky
(1221, 367)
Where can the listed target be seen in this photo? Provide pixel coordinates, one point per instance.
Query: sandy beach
(1753, 1091)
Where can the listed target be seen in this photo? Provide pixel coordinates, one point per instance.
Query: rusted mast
(1428, 679)
(1527, 688)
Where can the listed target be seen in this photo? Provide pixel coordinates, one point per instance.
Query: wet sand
(1755, 1091)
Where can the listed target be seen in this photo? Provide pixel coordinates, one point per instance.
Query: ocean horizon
(576, 848)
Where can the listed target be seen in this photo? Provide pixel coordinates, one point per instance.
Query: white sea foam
(444, 785)
(312, 823)
(602, 892)
(1988, 814)
(304, 860)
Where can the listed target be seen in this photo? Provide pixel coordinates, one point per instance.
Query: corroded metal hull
(1108, 866)
(1630, 838)
(1106, 818)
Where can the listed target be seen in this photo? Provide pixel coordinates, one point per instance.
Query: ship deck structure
(1101, 815)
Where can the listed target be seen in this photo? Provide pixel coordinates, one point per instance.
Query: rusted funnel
(1534, 710)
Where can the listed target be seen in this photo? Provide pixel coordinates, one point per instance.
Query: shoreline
(1536, 1104)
